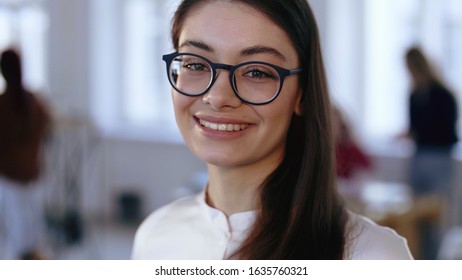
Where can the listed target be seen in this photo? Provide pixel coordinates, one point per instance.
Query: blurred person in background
(24, 124)
(432, 126)
(353, 166)
(352, 163)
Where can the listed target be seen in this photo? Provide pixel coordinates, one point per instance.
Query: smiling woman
(250, 100)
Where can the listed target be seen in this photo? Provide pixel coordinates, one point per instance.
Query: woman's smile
(230, 127)
(221, 128)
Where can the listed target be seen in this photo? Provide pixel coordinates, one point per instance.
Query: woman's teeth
(223, 126)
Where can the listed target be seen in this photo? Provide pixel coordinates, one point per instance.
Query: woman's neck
(234, 190)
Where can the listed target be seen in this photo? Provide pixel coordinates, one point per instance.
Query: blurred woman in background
(432, 126)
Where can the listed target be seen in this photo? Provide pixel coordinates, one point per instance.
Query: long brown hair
(301, 216)
(419, 65)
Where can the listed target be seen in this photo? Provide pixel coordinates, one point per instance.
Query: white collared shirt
(190, 229)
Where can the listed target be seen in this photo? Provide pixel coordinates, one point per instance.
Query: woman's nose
(221, 94)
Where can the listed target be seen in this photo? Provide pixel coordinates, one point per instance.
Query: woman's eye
(259, 73)
(196, 66)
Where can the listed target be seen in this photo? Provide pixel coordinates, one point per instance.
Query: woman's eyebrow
(197, 44)
(257, 49)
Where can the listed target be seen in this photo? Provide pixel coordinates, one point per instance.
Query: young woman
(250, 99)
(432, 125)
(433, 117)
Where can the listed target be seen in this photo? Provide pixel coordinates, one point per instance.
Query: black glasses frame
(168, 58)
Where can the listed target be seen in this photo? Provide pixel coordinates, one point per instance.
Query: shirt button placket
(224, 236)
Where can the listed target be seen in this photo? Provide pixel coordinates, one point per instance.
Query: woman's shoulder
(368, 240)
(167, 232)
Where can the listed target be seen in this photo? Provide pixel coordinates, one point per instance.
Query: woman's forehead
(234, 27)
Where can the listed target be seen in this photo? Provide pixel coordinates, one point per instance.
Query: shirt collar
(237, 222)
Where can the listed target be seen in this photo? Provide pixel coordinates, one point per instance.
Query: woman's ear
(298, 110)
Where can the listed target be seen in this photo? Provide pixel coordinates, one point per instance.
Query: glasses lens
(256, 83)
(190, 74)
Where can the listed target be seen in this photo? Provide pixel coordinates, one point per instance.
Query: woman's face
(218, 127)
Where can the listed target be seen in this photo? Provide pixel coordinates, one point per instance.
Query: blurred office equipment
(71, 162)
(129, 207)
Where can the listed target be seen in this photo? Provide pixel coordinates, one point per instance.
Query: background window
(365, 44)
(131, 89)
(23, 25)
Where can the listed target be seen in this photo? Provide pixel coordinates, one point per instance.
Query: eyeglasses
(253, 82)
